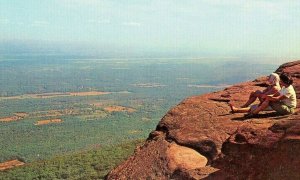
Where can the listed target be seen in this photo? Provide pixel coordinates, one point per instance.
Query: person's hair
(286, 78)
(274, 79)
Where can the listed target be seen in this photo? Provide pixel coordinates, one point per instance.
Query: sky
(190, 27)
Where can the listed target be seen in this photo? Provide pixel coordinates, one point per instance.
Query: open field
(149, 85)
(53, 95)
(10, 118)
(48, 121)
(10, 164)
(119, 109)
(60, 105)
(17, 116)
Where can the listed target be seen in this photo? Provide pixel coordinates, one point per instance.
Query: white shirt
(290, 95)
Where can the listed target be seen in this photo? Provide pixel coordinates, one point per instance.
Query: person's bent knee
(256, 93)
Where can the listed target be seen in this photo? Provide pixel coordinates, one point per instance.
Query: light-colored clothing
(290, 94)
(281, 108)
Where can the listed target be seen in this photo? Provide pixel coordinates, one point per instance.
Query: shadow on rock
(272, 115)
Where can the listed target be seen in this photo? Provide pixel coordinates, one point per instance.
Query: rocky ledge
(201, 139)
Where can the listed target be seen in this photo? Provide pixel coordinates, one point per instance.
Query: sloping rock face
(201, 139)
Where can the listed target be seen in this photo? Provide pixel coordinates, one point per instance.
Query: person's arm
(267, 89)
(271, 90)
(275, 98)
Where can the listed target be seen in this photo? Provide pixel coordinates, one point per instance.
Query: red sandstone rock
(180, 157)
(266, 147)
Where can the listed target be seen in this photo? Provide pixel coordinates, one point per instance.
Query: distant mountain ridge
(201, 139)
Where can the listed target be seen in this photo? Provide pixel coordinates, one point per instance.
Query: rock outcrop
(201, 139)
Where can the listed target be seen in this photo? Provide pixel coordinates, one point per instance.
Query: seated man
(283, 102)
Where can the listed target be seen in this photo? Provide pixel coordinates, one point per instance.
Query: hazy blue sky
(269, 27)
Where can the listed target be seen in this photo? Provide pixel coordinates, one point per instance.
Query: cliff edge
(201, 139)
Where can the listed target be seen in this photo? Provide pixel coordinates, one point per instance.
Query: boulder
(181, 157)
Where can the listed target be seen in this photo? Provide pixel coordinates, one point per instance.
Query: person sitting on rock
(273, 88)
(284, 102)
